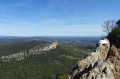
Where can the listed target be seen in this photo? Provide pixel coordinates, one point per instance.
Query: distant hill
(7, 49)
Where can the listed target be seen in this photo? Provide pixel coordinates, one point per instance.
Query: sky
(56, 17)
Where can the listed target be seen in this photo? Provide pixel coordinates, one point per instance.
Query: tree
(118, 22)
(108, 26)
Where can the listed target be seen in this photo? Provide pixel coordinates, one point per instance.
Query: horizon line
(44, 36)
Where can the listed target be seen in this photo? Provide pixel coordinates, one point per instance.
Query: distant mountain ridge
(32, 51)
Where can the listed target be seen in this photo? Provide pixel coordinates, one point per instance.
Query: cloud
(74, 28)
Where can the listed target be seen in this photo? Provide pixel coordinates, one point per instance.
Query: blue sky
(56, 17)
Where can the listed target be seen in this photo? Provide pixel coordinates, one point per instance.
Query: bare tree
(108, 26)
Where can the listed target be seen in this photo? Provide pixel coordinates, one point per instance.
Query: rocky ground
(102, 64)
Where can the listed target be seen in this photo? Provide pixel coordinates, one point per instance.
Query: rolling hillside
(54, 64)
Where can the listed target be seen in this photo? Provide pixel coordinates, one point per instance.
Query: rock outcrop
(35, 50)
(102, 64)
(114, 57)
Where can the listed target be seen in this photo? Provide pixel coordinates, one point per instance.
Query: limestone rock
(35, 50)
(95, 65)
(114, 57)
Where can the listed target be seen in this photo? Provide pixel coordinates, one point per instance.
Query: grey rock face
(114, 57)
(94, 65)
(35, 50)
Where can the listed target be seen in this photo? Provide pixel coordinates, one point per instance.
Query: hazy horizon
(46, 36)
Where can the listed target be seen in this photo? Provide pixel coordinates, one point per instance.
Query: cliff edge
(102, 64)
(32, 51)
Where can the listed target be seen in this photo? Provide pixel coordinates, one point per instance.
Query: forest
(53, 64)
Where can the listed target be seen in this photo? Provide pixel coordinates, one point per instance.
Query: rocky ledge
(102, 64)
(35, 50)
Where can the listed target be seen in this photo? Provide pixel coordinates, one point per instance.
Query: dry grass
(69, 57)
(83, 51)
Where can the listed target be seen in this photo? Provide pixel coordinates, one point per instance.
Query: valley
(53, 64)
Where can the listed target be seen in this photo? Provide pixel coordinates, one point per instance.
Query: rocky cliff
(104, 63)
(35, 50)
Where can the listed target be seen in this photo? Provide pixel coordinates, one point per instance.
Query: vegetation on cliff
(7, 49)
(114, 52)
(114, 35)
